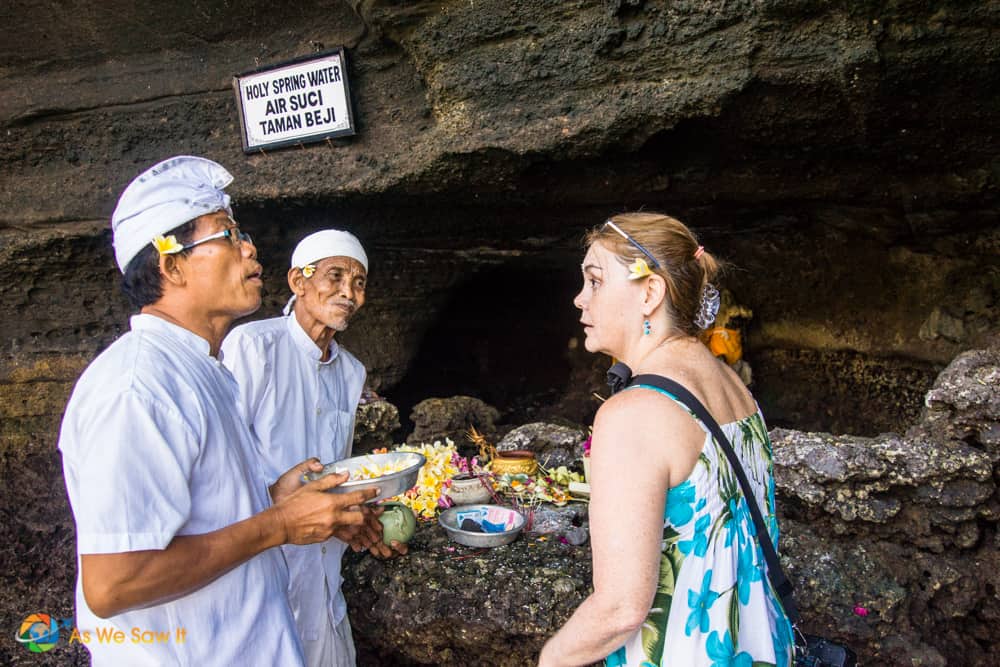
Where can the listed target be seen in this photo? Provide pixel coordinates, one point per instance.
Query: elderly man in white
(175, 523)
(300, 390)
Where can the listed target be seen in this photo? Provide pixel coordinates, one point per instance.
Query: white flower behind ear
(639, 269)
(308, 270)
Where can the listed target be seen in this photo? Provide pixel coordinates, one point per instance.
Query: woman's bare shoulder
(647, 417)
(636, 402)
(715, 384)
(644, 427)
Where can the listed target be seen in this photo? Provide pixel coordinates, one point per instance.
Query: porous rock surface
(891, 542)
(440, 418)
(554, 445)
(374, 425)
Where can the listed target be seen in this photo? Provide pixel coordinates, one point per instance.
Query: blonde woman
(679, 576)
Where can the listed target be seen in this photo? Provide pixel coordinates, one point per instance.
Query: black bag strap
(780, 583)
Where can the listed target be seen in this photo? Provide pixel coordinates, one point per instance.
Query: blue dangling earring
(645, 328)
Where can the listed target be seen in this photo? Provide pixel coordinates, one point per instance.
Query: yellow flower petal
(167, 245)
(308, 270)
(639, 269)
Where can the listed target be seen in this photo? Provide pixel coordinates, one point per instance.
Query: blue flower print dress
(714, 605)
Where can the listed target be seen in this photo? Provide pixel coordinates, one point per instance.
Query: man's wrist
(273, 529)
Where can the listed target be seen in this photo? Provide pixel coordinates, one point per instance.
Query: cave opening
(475, 298)
(507, 335)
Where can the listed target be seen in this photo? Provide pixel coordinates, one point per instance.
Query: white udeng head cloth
(322, 244)
(328, 243)
(164, 197)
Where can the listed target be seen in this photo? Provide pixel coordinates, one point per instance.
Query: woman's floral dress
(714, 604)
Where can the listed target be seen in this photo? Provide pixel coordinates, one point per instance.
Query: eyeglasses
(652, 260)
(235, 236)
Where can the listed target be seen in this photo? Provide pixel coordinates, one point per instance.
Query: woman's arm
(638, 442)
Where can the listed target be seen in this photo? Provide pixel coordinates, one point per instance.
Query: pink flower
(860, 611)
(463, 464)
(586, 446)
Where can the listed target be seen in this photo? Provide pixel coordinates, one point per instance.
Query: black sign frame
(310, 138)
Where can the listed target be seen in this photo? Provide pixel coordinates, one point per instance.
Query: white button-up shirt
(299, 407)
(153, 447)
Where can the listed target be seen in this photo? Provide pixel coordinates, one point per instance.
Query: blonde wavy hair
(675, 248)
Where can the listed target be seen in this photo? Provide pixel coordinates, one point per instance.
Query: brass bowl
(518, 461)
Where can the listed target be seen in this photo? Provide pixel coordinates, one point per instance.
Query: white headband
(322, 244)
(328, 243)
(164, 197)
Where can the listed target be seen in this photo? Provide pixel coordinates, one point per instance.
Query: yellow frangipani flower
(372, 470)
(639, 269)
(308, 270)
(167, 245)
(423, 499)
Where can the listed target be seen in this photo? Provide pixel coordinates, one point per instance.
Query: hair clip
(708, 308)
(699, 252)
(652, 260)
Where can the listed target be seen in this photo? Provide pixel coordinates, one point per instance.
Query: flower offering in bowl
(392, 474)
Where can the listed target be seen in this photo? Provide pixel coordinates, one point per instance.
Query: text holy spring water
(295, 101)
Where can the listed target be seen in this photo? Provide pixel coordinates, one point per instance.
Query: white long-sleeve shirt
(153, 447)
(298, 407)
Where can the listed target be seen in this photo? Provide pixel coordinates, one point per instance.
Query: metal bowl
(388, 486)
(449, 521)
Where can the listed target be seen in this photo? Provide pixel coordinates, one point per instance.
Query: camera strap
(781, 584)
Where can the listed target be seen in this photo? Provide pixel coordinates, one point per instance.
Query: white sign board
(296, 102)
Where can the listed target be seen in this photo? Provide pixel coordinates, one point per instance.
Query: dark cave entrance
(504, 336)
(476, 300)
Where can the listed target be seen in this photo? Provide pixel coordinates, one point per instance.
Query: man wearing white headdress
(175, 524)
(299, 391)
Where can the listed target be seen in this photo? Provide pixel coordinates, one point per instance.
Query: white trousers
(334, 648)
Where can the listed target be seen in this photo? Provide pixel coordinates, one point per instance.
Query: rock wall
(904, 526)
(842, 155)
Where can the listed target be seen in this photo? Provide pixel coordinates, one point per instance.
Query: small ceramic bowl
(451, 519)
(469, 490)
